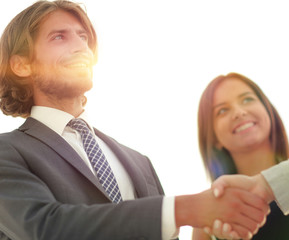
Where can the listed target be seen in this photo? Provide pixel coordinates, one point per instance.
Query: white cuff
(169, 229)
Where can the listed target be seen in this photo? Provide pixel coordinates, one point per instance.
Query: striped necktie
(97, 159)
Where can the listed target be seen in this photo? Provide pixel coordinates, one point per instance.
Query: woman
(240, 131)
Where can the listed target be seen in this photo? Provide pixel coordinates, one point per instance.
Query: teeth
(78, 65)
(243, 127)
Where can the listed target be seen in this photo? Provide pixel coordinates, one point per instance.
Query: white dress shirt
(57, 120)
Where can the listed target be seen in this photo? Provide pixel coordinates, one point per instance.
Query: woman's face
(241, 122)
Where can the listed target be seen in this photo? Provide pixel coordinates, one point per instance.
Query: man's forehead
(59, 19)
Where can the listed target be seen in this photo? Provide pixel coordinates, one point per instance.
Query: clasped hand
(233, 229)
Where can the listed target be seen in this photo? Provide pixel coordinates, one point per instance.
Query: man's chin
(80, 88)
(65, 92)
(69, 93)
(64, 85)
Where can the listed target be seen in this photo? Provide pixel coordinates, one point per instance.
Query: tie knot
(79, 125)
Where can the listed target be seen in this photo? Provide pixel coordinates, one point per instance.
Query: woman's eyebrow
(245, 93)
(239, 96)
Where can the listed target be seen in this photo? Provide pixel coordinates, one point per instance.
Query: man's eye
(84, 37)
(58, 37)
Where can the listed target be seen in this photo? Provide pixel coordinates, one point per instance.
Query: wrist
(180, 211)
(267, 191)
(185, 211)
(193, 210)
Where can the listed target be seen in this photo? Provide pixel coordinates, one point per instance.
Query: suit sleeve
(30, 211)
(278, 179)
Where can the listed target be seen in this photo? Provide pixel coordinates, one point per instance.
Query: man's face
(62, 65)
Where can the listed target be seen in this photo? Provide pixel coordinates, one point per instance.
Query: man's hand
(256, 185)
(241, 209)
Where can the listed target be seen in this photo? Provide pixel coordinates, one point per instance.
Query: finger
(255, 201)
(217, 227)
(239, 181)
(240, 232)
(227, 232)
(222, 231)
(256, 209)
(227, 228)
(253, 214)
(247, 223)
(238, 210)
(234, 235)
(219, 187)
(208, 230)
(263, 223)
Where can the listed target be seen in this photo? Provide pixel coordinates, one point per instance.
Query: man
(271, 184)
(62, 179)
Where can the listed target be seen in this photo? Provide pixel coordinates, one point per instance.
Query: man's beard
(55, 87)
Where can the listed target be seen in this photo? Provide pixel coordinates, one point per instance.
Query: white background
(155, 59)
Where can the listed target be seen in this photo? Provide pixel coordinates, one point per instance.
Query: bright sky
(155, 59)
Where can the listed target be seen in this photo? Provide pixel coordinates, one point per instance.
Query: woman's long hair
(219, 161)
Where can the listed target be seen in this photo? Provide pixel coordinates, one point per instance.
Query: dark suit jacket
(47, 191)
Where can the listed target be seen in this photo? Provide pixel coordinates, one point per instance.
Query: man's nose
(78, 44)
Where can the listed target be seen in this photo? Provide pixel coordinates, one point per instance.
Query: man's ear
(20, 66)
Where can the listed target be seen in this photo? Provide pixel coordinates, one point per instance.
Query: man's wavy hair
(16, 94)
(219, 161)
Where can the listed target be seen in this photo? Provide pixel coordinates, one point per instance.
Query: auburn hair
(219, 161)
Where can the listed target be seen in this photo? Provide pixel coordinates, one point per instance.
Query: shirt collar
(54, 118)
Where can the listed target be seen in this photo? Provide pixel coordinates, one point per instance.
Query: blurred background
(155, 59)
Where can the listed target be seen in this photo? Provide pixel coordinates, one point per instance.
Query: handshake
(235, 207)
(253, 218)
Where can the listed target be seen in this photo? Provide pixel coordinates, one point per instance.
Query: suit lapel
(129, 164)
(44, 134)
